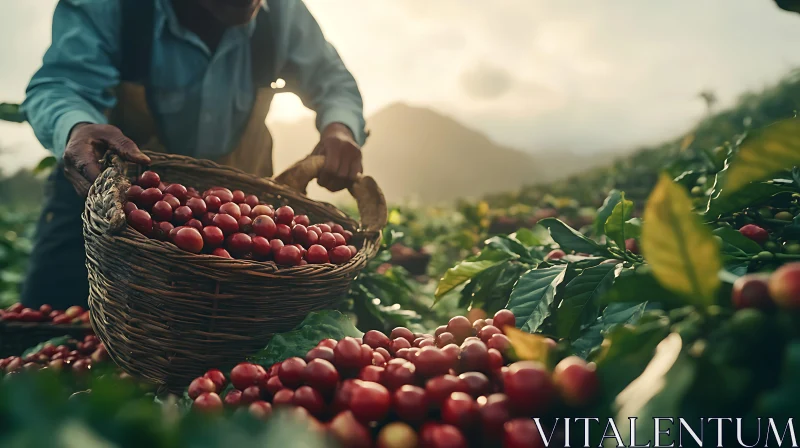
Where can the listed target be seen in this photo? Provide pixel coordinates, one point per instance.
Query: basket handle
(368, 196)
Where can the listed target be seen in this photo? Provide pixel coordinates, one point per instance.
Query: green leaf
(465, 270)
(764, 153)
(11, 112)
(316, 327)
(614, 196)
(680, 249)
(570, 239)
(581, 304)
(615, 224)
(509, 245)
(754, 193)
(61, 340)
(527, 237)
(640, 286)
(613, 315)
(657, 393)
(633, 228)
(45, 165)
(532, 296)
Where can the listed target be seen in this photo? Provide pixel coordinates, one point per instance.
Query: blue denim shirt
(202, 99)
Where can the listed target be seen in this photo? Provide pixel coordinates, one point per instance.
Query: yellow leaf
(528, 347)
(763, 154)
(395, 217)
(681, 250)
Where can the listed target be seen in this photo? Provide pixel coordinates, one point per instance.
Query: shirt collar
(166, 19)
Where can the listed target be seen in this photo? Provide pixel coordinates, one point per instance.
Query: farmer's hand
(85, 149)
(342, 157)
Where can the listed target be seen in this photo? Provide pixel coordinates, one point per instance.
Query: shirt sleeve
(321, 79)
(76, 80)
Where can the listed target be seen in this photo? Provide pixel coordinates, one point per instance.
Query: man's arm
(74, 84)
(325, 85)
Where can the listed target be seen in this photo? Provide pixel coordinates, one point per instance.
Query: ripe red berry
(317, 254)
(251, 200)
(246, 374)
(233, 398)
(133, 192)
(376, 339)
(327, 240)
(347, 354)
(149, 197)
(230, 208)
(181, 215)
(460, 410)
(495, 412)
(529, 388)
(318, 352)
(284, 233)
(129, 207)
(436, 435)
(309, 399)
(555, 254)
(410, 403)
(283, 397)
(504, 318)
(200, 386)
(212, 237)
(274, 385)
(302, 220)
(208, 402)
(213, 203)
(141, 221)
(499, 342)
(217, 377)
(195, 224)
(321, 375)
(239, 244)
(288, 256)
(262, 210)
(264, 226)
(752, 291)
(632, 246)
(432, 361)
(251, 394)
(223, 194)
(402, 332)
(340, 255)
(220, 252)
(261, 247)
(460, 327)
(399, 344)
(284, 215)
(521, 433)
(372, 373)
(189, 239)
(340, 241)
(784, 286)
(370, 401)
(397, 375)
(439, 388)
(178, 191)
(346, 429)
(260, 410)
(149, 179)
(162, 211)
(198, 206)
(291, 372)
(474, 357)
(755, 233)
(476, 383)
(576, 381)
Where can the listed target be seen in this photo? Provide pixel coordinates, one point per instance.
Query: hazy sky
(583, 75)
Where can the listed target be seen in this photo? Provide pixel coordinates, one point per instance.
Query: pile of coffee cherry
(77, 356)
(46, 314)
(232, 224)
(458, 387)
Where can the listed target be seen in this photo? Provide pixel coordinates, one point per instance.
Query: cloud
(485, 81)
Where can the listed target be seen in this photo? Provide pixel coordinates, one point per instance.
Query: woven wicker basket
(166, 315)
(16, 337)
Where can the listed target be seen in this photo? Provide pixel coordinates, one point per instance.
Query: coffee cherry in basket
(189, 239)
(141, 221)
(149, 197)
(149, 179)
(161, 211)
(288, 256)
(178, 191)
(317, 254)
(198, 206)
(220, 252)
(284, 215)
(181, 215)
(239, 244)
(133, 192)
(227, 223)
(261, 248)
(340, 255)
(232, 209)
(262, 210)
(223, 194)
(212, 237)
(264, 226)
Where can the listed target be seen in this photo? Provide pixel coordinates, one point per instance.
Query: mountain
(417, 153)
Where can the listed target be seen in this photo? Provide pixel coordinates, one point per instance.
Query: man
(189, 77)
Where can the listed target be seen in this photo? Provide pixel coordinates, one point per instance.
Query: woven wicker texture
(166, 315)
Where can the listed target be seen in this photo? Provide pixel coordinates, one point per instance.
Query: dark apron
(57, 267)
